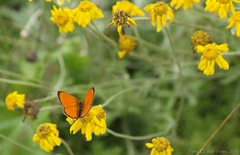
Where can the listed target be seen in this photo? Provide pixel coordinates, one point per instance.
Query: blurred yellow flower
(14, 99)
(184, 3)
(47, 136)
(200, 38)
(94, 121)
(85, 13)
(159, 9)
(211, 54)
(62, 1)
(128, 7)
(221, 6)
(160, 146)
(63, 19)
(234, 20)
(120, 18)
(46, 0)
(126, 44)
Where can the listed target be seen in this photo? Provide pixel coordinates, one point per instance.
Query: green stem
(59, 6)
(140, 44)
(98, 32)
(50, 107)
(231, 53)
(115, 95)
(19, 145)
(138, 138)
(180, 77)
(142, 18)
(24, 83)
(62, 71)
(198, 26)
(67, 146)
(220, 126)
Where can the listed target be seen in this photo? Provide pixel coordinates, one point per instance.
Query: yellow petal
(153, 19)
(223, 47)
(199, 48)
(222, 63)
(88, 132)
(122, 54)
(238, 29)
(164, 20)
(222, 12)
(159, 23)
(70, 121)
(56, 140)
(153, 152)
(148, 7)
(77, 125)
(36, 138)
(149, 145)
(231, 24)
(203, 64)
(45, 145)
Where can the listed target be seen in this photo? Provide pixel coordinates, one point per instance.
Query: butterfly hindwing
(70, 104)
(88, 101)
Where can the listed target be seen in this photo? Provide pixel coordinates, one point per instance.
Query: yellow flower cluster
(201, 42)
(82, 15)
(93, 122)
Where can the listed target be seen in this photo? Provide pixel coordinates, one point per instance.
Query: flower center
(120, 17)
(85, 6)
(200, 38)
(44, 130)
(211, 52)
(127, 43)
(224, 1)
(160, 144)
(61, 18)
(160, 8)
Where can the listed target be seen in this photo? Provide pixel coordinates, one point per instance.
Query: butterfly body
(74, 108)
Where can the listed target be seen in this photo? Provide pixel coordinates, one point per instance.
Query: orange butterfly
(74, 108)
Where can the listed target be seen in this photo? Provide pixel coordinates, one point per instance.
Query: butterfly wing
(87, 102)
(70, 104)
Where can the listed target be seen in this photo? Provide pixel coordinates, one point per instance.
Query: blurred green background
(30, 65)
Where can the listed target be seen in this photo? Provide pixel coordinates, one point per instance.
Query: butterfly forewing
(88, 101)
(70, 104)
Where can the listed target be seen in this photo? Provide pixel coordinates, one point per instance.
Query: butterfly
(74, 108)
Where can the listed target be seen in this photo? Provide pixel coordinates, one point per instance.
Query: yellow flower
(62, 1)
(63, 19)
(94, 121)
(211, 54)
(46, 0)
(200, 38)
(220, 6)
(185, 3)
(161, 146)
(85, 13)
(120, 18)
(126, 44)
(47, 136)
(128, 7)
(15, 99)
(234, 20)
(159, 9)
